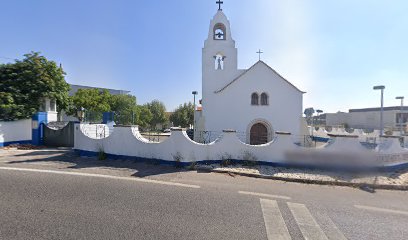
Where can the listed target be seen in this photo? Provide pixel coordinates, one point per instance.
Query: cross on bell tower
(219, 4)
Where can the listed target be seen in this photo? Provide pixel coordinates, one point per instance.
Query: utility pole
(194, 112)
(401, 118)
(381, 87)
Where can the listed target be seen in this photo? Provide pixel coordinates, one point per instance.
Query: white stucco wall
(15, 131)
(231, 108)
(127, 141)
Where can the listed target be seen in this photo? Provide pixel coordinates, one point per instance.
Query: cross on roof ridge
(259, 52)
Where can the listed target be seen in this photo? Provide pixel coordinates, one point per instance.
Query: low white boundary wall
(128, 142)
(15, 132)
(363, 136)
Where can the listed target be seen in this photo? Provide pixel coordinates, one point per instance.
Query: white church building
(255, 102)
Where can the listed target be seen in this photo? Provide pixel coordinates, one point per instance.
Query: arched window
(264, 99)
(219, 32)
(219, 61)
(254, 99)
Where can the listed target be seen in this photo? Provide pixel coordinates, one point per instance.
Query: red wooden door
(259, 134)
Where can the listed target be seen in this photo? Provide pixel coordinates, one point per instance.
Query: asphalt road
(45, 199)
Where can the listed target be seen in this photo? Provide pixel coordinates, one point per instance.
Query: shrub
(249, 159)
(177, 159)
(192, 165)
(226, 160)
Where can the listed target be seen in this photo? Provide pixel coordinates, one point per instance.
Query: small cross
(259, 52)
(219, 4)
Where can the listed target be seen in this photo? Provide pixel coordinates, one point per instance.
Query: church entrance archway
(258, 134)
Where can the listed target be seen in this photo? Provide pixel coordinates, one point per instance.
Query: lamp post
(194, 106)
(81, 114)
(381, 87)
(401, 115)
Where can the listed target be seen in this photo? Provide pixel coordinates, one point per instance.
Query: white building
(255, 102)
(49, 106)
(369, 118)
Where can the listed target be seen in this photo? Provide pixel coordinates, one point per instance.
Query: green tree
(93, 101)
(143, 116)
(158, 111)
(25, 83)
(183, 116)
(125, 109)
(309, 114)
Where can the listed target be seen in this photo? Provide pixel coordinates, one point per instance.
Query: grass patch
(101, 154)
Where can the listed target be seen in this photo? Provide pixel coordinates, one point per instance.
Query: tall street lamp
(194, 106)
(401, 115)
(81, 114)
(381, 87)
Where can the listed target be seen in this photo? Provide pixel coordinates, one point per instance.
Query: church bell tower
(219, 56)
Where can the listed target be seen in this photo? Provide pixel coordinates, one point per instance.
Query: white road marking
(275, 225)
(307, 224)
(264, 195)
(38, 163)
(101, 176)
(381, 209)
(331, 230)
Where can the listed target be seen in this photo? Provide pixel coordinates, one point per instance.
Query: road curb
(309, 181)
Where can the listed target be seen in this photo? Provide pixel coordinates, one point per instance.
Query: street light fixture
(401, 115)
(381, 87)
(81, 114)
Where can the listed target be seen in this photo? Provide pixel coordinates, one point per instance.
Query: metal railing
(206, 137)
(96, 131)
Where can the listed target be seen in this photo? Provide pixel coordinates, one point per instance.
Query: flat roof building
(75, 88)
(369, 118)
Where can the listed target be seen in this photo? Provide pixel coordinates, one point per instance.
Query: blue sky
(334, 50)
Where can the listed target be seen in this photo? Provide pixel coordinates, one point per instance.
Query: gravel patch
(399, 177)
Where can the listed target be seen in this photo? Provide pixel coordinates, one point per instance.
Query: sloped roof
(249, 69)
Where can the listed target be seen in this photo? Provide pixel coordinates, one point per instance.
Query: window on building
(401, 118)
(53, 105)
(254, 99)
(42, 106)
(219, 61)
(264, 99)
